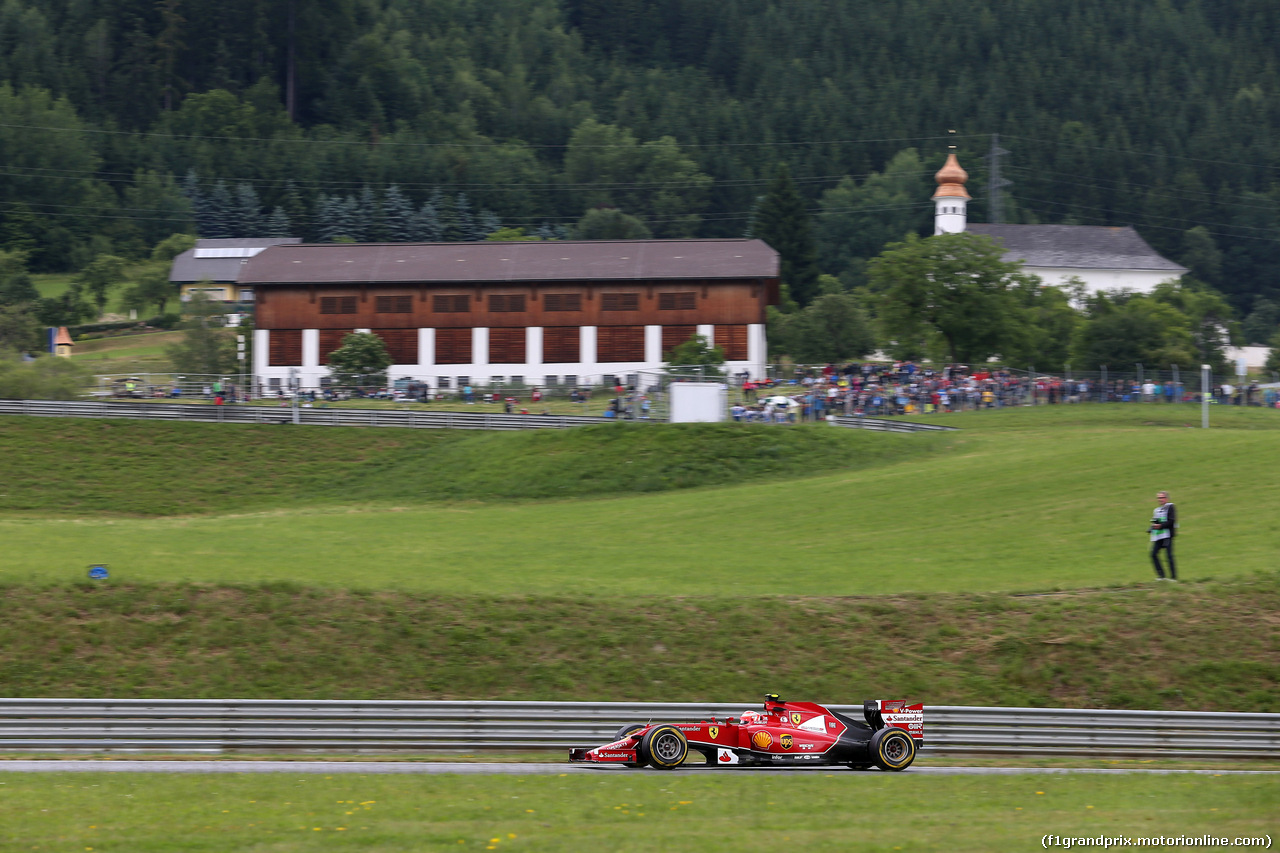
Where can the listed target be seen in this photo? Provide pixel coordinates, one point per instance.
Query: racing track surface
(437, 767)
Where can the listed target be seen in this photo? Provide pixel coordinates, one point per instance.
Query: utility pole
(996, 183)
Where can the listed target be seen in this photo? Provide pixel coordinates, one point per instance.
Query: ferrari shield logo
(795, 718)
(713, 732)
(785, 740)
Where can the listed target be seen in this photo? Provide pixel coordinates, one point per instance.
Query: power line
(488, 144)
(1140, 153)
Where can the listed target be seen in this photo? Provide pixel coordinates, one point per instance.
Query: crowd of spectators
(905, 388)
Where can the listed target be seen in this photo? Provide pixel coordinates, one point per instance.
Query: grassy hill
(1005, 564)
(1050, 499)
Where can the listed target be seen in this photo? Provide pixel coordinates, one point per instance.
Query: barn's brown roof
(586, 260)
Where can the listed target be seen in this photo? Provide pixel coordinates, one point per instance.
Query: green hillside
(1053, 498)
(106, 468)
(1003, 564)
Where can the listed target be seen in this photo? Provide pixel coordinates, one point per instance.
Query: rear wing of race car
(895, 714)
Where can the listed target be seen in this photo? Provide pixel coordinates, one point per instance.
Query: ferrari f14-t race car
(786, 733)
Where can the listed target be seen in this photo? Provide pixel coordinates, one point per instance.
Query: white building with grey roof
(1102, 257)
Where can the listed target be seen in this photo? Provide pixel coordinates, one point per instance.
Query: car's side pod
(871, 711)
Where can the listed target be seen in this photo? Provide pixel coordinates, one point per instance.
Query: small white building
(1103, 257)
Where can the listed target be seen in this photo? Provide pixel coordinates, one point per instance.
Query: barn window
(402, 344)
(561, 344)
(620, 301)
(284, 347)
(337, 305)
(506, 303)
(450, 304)
(393, 304)
(682, 301)
(453, 346)
(506, 346)
(733, 340)
(330, 340)
(674, 336)
(619, 343)
(562, 302)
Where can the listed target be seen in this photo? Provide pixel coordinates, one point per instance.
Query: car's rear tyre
(626, 732)
(664, 747)
(893, 749)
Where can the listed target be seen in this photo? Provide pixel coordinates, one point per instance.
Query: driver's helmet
(750, 718)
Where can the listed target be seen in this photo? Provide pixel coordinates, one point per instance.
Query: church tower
(951, 198)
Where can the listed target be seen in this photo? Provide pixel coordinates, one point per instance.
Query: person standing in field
(1164, 524)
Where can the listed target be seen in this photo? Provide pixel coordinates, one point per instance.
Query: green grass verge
(1199, 646)
(637, 811)
(1057, 502)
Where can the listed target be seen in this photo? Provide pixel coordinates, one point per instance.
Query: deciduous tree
(360, 362)
(956, 286)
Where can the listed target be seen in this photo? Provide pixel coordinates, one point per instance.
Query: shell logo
(762, 740)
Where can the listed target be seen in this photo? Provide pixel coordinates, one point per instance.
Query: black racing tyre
(628, 730)
(893, 749)
(664, 747)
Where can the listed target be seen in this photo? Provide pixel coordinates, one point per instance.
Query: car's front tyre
(663, 747)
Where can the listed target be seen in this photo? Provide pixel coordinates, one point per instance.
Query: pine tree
(277, 224)
(367, 217)
(199, 202)
(463, 227)
(221, 212)
(426, 224)
(444, 215)
(487, 223)
(247, 220)
(783, 222)
(350, 225)
(397, 217)
(328, 218)
(296, 209)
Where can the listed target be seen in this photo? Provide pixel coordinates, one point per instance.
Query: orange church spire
(951, 179)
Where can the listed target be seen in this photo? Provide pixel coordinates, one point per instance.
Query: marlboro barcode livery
(785, 733)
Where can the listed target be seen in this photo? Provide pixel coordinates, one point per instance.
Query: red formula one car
(787, 733)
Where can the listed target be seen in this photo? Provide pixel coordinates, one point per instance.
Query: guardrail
(890, 426)
(216, 726)
(284, 415)
(202, 413)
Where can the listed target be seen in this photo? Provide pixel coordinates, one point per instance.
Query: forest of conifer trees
(125, 121)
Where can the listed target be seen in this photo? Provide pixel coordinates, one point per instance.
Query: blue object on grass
(98, 572)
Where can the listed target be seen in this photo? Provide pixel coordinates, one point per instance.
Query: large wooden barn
(538, 313)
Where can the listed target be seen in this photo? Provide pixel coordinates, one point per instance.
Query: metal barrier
(890, 426)
(281, 415)
(216, 726)
(201, 413)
